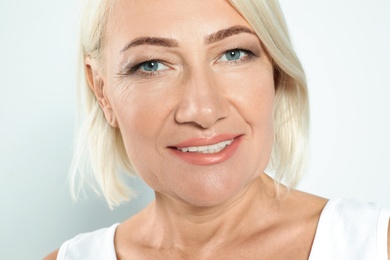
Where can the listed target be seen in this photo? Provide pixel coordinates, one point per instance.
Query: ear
(96, 83)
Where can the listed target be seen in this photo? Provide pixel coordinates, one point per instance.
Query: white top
(346, 230)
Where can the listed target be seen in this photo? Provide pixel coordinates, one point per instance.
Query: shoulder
(305, 206)
(52, 256)
(84, 246)
(388, 241)
(348, 226)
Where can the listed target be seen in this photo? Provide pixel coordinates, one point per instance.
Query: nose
(203, 100)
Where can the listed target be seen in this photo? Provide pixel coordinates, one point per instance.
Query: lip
(203, 158)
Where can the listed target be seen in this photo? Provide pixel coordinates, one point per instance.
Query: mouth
(201, 151)
(206, 149)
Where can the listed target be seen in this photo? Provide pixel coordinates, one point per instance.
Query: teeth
(215, 148)
(192, 149)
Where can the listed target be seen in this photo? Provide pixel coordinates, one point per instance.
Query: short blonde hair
(100, 158)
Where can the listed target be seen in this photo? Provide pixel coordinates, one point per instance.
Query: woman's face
(191, 89)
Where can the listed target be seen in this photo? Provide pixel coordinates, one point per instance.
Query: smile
(200, 151)
(215, 148)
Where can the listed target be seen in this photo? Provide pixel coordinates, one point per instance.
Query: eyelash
(248, 55)
(137, 68)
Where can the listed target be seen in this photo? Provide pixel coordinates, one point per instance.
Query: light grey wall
(344, 49)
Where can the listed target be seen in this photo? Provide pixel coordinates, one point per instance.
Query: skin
(197, 96)
(225, 210)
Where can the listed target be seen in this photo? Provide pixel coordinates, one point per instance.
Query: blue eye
(152, 65)
(233, 55)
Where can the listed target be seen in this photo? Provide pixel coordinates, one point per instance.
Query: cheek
(141, 114)
(253, 96)
(254, 102)
(140, 109)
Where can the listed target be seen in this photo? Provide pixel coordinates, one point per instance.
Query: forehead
(177, 19)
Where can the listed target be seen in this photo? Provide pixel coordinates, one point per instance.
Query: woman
(199, 99)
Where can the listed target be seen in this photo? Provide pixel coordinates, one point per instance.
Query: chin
(212, 193)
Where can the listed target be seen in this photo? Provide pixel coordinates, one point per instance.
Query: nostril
(203, 102)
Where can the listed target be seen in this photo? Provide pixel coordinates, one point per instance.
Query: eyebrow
(224, 33)
(171, 43)
(156, 41)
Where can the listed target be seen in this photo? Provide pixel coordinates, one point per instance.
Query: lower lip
(208, 158)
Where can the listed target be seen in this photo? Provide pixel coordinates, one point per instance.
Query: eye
(233, 55)
(151, 66)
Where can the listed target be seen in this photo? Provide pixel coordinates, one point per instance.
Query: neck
(187, 227)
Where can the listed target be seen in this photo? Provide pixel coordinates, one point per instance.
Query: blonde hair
(100, 158)
(99, 155)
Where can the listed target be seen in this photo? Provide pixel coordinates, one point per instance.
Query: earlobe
(96, 83)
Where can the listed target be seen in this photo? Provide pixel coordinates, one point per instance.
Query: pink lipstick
(207, 151)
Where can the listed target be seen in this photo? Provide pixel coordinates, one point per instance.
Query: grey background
(343, 46)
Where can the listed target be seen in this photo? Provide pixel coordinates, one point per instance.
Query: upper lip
(202, 141)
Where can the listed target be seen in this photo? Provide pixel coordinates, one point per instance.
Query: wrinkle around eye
(141, 70)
